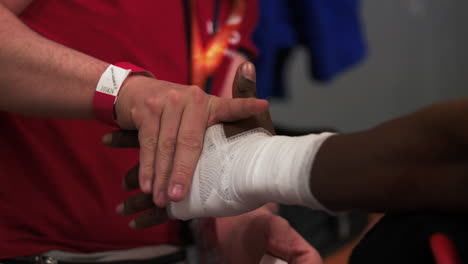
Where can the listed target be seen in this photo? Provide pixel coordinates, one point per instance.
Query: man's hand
(243, 87)
(249, 237)
(245, 238)
(171, 120)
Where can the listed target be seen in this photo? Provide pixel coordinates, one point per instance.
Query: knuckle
(162, 179)
(150, 102)
(197, 95)
(274, 243)
(163, 172)
(173, 96)
(213, 118)
(183, 171)
(250, 103)
(194, 88)
(148, 142)
(167, 146)
(154, 104)
(136, 116)
(189, 142)
(146, 169)
(281, 224)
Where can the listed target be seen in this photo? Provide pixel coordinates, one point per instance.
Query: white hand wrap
(241, 173)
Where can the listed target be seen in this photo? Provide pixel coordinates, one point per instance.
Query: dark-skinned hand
(242, 239)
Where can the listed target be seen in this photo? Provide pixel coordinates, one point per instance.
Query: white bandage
(241, 173)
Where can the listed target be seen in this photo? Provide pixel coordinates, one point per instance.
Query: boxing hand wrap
(241, 173)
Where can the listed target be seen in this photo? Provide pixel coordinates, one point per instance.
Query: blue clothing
(329, 29)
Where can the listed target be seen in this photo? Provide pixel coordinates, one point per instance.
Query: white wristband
(108, 88)
(111, 80)
(106, 93)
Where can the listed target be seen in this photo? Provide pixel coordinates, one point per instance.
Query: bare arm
(40, 77)
(418, 161)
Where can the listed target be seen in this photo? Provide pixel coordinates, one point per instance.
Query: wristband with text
(108, 89)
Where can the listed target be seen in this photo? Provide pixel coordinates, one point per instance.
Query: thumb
(285, 243)
(244, 85)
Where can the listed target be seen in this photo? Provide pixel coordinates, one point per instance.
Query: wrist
(278, 170)
(108, 89)
(245, 181)
(126, 100)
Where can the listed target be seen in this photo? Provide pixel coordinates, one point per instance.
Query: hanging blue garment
(329, 29)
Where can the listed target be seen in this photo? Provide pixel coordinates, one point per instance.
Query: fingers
(121, 139)
(244, 86)
(300, 251)
(148, 138)
(139, 203)
(154, 216)
(130, 181)
(228, 110)
(135, 204)
(189, 146)
(170, 122)
(285, 243)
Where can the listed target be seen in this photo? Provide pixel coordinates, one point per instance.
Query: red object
(59, 184)
(207, 57)
(444, 250)
(103, 104)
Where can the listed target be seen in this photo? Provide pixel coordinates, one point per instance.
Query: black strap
(188, 37)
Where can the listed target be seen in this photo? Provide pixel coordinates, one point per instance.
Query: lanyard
(206, 58)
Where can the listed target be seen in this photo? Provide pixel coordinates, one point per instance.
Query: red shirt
(59, 185)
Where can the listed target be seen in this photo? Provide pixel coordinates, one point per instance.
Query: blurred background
(416, 55)
(404, 55)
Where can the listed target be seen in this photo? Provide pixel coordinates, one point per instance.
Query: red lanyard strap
(206, 58)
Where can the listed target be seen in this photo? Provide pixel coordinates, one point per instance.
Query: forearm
(413, 162)
(42, 78)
